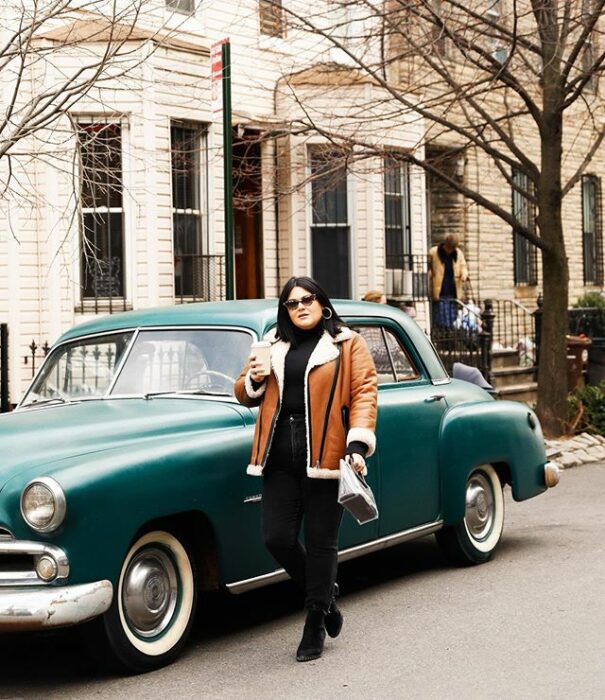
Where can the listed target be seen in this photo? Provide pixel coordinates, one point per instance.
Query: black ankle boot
(312, 642)
(334, 616)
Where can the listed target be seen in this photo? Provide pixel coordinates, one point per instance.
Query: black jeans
(288, 496)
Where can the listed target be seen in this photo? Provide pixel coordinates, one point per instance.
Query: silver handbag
(355, 495)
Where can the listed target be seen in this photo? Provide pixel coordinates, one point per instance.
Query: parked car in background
(123, 486)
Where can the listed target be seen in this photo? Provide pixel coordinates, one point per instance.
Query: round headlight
(43, 504)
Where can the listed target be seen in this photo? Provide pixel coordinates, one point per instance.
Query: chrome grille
(5, 534)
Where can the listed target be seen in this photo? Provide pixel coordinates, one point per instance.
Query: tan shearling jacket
(437, 272)
(355, 394)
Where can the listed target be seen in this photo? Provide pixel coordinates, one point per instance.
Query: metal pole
(4, 403)
(228, 171)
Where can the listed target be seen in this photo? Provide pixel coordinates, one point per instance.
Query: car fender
(112, 494)
(494, 432)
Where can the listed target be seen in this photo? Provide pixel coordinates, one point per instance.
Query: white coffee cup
(262, 350)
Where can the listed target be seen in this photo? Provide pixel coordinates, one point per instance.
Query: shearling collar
(326, 350)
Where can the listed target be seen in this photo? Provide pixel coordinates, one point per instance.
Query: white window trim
(309, 216)
(88, 304)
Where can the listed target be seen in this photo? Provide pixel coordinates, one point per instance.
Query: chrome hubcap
(479, 513)
(150, 592)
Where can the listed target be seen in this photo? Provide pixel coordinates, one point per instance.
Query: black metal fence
(36, 356)
(199, 277)
(463, 333)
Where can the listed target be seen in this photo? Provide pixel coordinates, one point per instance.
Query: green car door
(410, 409)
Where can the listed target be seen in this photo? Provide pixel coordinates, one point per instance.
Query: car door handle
(434, 397)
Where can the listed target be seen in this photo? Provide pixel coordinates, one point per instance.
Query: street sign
(216, 75)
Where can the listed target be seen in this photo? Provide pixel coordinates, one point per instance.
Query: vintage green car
(123, 486)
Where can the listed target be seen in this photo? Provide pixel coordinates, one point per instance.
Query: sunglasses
(307, 300)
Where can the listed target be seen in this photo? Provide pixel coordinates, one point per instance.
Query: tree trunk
(552, 373)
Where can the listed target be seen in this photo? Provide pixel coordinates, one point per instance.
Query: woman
(317, 405)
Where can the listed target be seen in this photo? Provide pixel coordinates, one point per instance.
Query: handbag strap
(327, 416)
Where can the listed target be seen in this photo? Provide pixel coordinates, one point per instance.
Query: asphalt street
(529, 624)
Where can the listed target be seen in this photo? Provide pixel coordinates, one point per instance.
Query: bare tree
(498, 80)
(54, 54)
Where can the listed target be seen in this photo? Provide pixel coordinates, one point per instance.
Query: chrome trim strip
(34, 549)
(39, 608)
(254, 499)
(412, 533)
(119, 368)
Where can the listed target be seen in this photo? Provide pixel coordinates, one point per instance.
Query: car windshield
(159, 361)
(80, 369)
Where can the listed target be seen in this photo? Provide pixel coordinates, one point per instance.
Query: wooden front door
(247, 217)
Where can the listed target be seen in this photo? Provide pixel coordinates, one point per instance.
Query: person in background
(318, 405)
(375, 295)
(447, 274)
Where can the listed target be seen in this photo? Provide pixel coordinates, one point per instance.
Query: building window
(271, 16)
(102, 213)
(397, 228)
(592, 233)
(439, 38)
(524, 252)
(188, 159)
(329, 221)
(185, 7)
(589, 53)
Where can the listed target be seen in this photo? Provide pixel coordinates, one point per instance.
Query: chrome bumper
(31, 608)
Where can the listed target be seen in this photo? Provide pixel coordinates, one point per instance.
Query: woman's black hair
(285, 327)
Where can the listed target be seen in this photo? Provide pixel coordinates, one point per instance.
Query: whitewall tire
(154, 604)
(474, 539)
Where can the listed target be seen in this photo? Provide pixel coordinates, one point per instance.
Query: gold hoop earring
(327, 318)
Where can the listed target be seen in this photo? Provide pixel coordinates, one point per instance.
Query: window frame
(525, 258)
(324, 151)
(271, 19)
(199, 213)
(405, 204)
(97, 301)
(174, 6)
(594, 276)
(412, 358)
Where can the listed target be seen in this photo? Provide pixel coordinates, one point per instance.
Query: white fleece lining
(254, 470)
(252, 393)
(315, 473)
(363, 435)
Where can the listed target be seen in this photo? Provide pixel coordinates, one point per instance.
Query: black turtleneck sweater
(297, 359)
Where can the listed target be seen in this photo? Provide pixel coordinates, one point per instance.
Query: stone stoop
(510, 380)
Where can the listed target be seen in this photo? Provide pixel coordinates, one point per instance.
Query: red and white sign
(216, 74)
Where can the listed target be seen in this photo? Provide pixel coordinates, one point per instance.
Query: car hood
(37, 437)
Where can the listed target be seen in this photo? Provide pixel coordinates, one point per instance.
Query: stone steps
(526, 392)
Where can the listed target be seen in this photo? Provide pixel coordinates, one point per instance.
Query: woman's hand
(356, 461)
(256, 370)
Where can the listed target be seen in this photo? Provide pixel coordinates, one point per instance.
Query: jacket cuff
(357, 447)
(249, 385)
(363, 435)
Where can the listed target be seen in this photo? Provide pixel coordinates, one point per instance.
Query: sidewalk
(581, 449)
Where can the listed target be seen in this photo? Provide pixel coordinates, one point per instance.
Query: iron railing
(587, 321)
(36, 355)
(406, 277)
(199, 277)
(463, 333)
(514, 329)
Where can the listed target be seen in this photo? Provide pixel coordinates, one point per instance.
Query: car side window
(391, 360)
